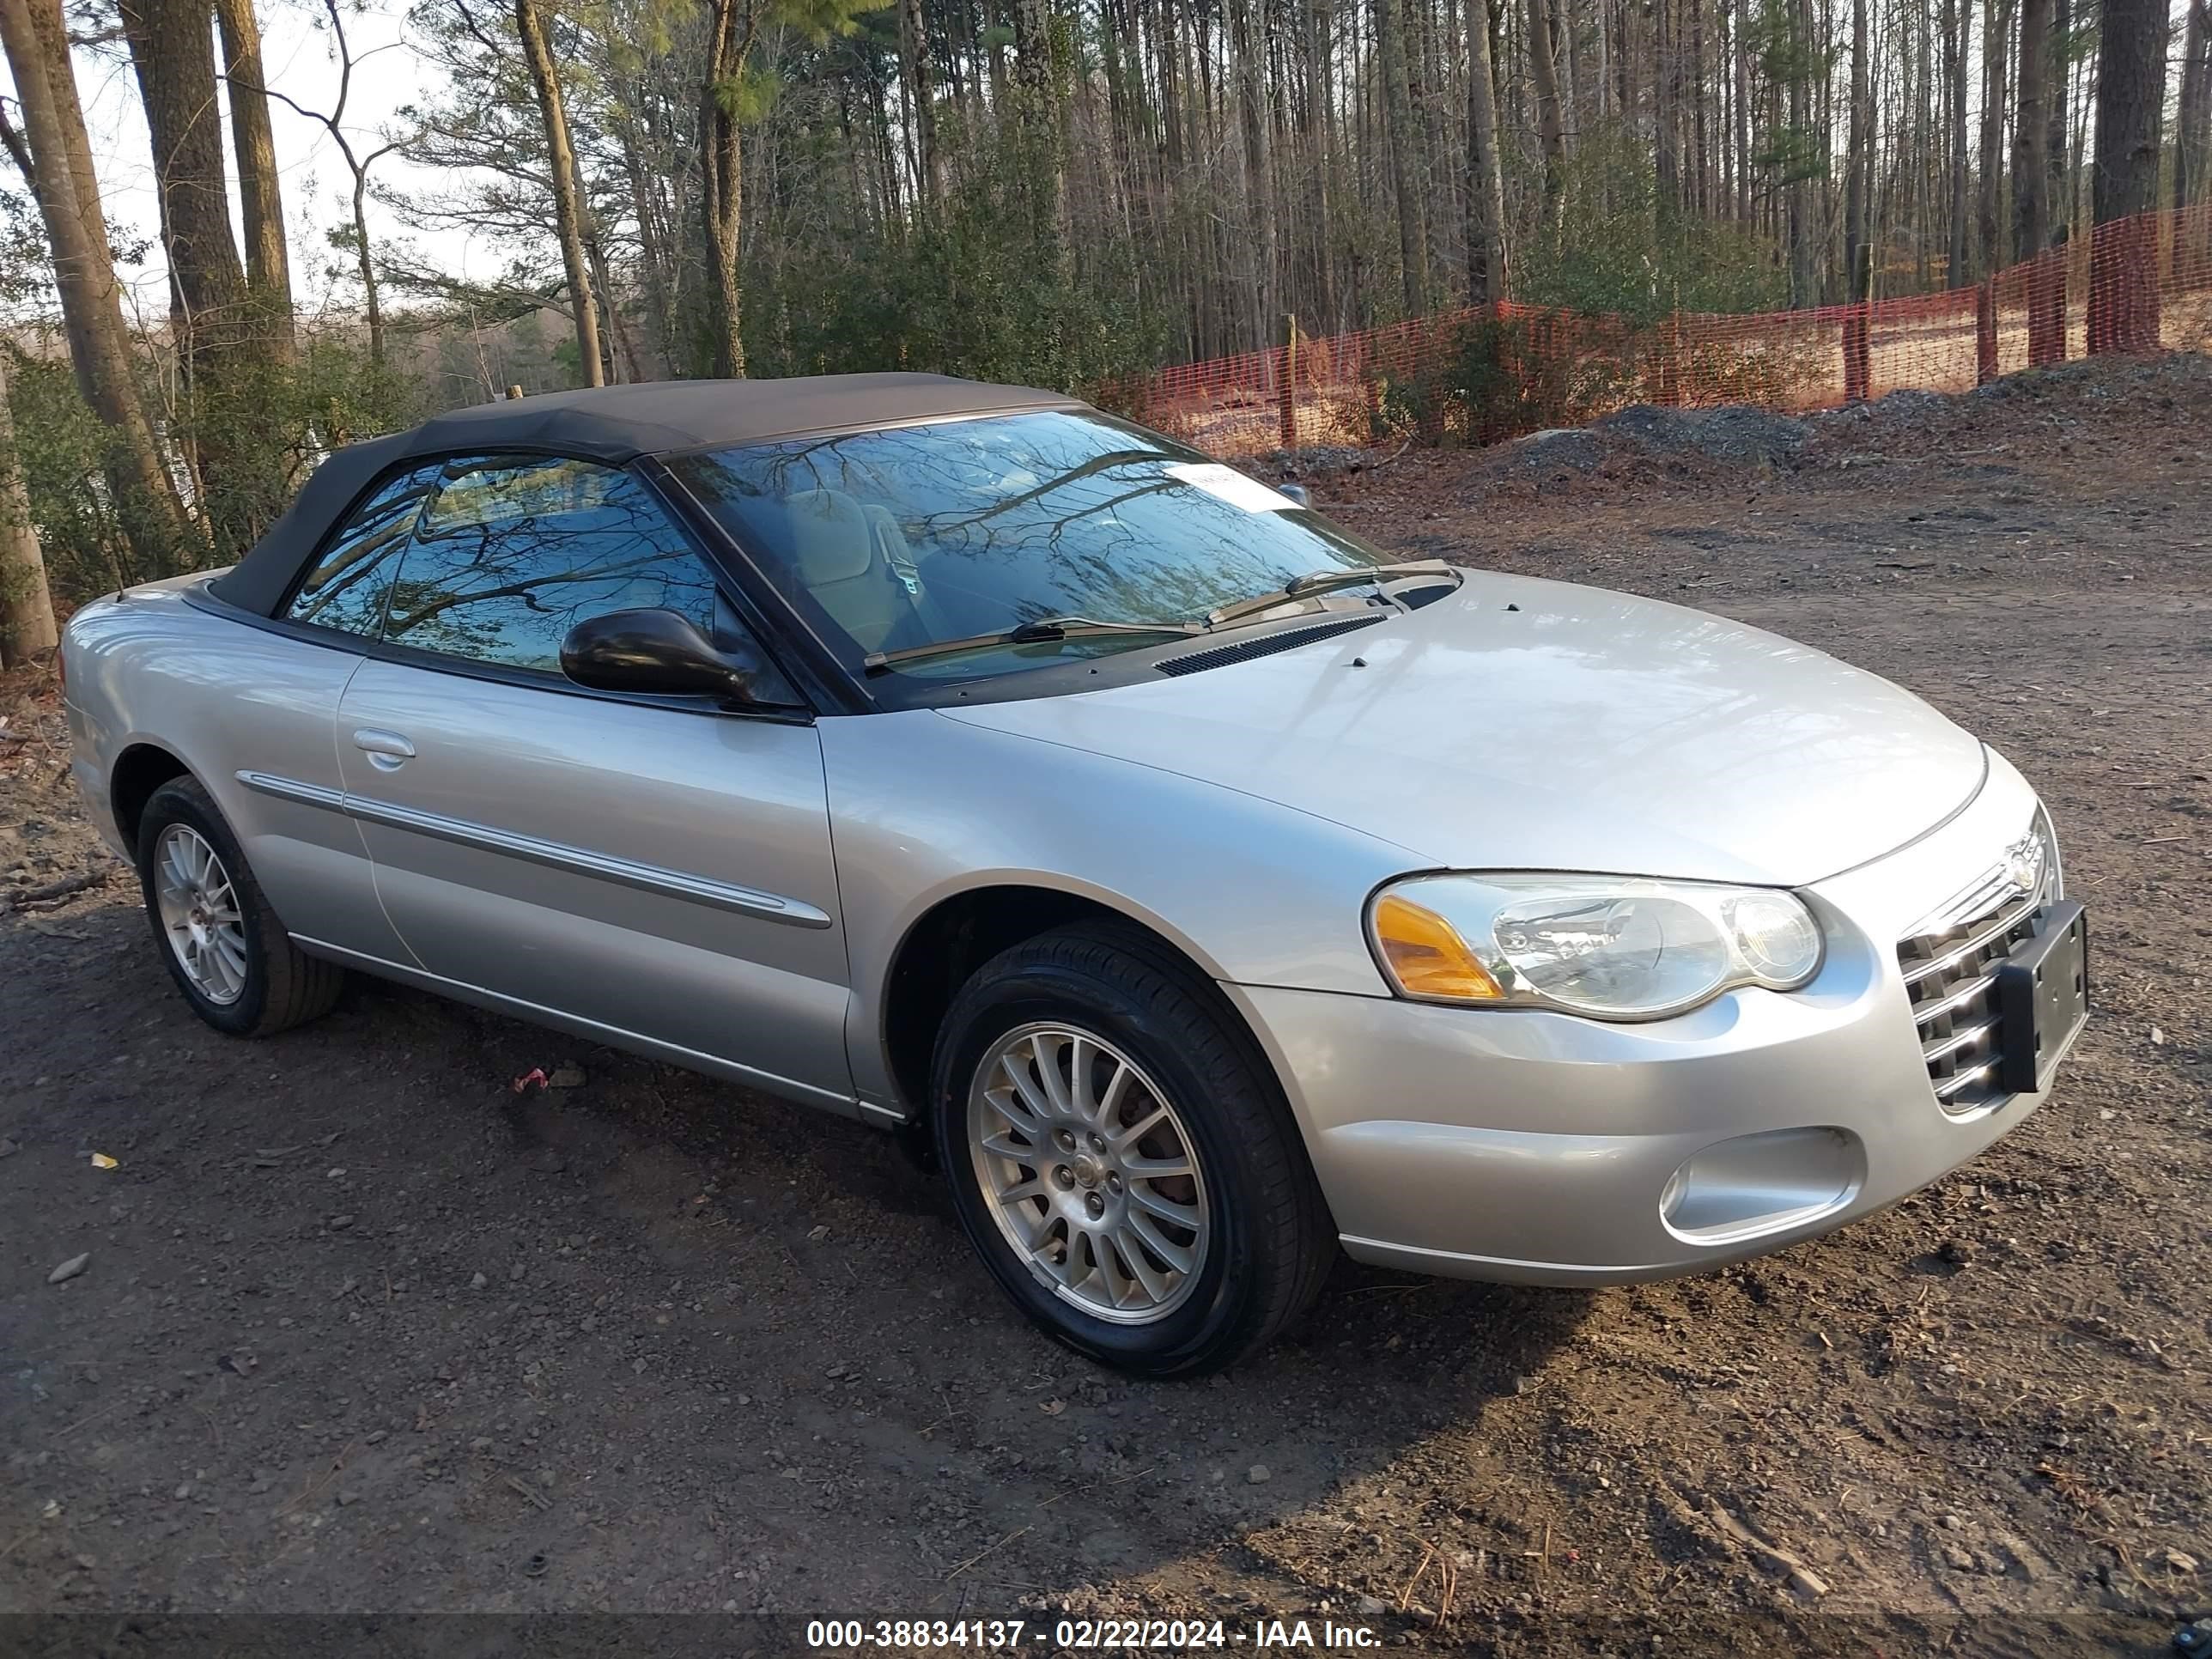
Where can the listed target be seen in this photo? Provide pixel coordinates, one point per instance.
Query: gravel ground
(359, 1329)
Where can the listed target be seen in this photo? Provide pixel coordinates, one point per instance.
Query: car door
(280, 717)
(653, 871)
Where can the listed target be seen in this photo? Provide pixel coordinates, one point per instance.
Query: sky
(298, 55)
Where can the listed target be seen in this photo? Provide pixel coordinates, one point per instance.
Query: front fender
(923, 808)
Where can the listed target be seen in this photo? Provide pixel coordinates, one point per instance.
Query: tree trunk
(621, 351)
(567, 208)
(2130, 100)
(1804, 273)
(2031, 133)
(1997, 27)
(2032, 166)
(914, 64)
(2059, 190)
(27, 605)
(721, 190)
(1037, 120)
(260, 196)
(1744, 205)
(1920, 80)
(151, 515)
(1958, 39)
(372, 302)
(1544, 72)
(1701, 172)
(1318, 17)
(1858, 165)
(2192, 148)
(1256, 120)
(1601, 67)
(1398, 118)
(655, 256)
(1485, 181)
(172, 49)
(1569, 42)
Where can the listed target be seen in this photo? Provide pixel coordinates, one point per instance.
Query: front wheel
(1120, 1158)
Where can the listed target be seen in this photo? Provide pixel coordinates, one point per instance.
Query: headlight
(1614, 947)
(2049, 875)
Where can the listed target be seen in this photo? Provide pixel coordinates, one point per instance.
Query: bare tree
(151, 514)
(2192, 148)
(1544, 75)
(27, 605)
(2123, 309)
(1257, 120)
(567, 215)
(1958, 30)
(1997, 30)
(1398, 115)
(260, 193)
(2031, 132)
(357, 165)
(914, 65)
(721, 187)
(1804, 258)
(172, 48)
(1858, 160)
(1486, 180)
(2058, 157)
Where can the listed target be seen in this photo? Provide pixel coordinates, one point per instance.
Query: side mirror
(657, 652)
(1297, 492)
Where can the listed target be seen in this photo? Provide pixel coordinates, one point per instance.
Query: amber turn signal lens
(1425, 954)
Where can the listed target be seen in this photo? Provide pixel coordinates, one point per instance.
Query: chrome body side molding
(645, 878)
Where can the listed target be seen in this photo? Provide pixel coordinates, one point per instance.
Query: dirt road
(362, 1329)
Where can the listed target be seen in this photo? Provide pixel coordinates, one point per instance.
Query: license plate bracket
(2043, 997)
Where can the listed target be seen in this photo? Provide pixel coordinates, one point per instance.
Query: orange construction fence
(1489, 372)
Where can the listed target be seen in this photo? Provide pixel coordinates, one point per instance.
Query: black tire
(284, 986)
(1272, 1239)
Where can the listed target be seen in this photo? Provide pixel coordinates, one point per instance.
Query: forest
(1059, 192)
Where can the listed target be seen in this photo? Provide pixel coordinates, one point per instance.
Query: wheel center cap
(1086, 1170)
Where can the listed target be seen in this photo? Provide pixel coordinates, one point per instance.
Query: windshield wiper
(1322, 582)
(1029, 633)
(1044, 629)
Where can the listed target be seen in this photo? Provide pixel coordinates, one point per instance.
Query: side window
(514, 552)
(347, 589)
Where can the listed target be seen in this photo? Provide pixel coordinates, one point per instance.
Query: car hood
(1523, 724)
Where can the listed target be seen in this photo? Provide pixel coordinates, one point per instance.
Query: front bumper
(1541, 1148)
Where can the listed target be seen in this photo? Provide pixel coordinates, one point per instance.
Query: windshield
(885, 541)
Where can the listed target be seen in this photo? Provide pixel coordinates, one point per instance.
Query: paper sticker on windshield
(1226, 483)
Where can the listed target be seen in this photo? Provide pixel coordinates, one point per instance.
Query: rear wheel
(222, 945)
(1121, 1157)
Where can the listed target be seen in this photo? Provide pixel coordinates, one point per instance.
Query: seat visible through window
(839, 555)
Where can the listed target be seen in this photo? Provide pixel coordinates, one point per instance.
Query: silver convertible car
(1206, 892)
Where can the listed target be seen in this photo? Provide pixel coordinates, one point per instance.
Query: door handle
(386, 750)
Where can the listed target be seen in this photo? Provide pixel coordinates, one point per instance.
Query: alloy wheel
(199, 913)
(1089, 1172)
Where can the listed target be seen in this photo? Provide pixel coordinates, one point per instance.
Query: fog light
(1670, 1195)
(1762, 1183)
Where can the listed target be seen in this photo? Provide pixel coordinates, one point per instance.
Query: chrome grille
(1950, 969)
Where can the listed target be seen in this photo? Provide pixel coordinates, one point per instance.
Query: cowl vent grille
(1197, 662)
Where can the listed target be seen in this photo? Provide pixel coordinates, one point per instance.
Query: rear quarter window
(348, 585)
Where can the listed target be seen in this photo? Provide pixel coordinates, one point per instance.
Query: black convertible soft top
(615, 424)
